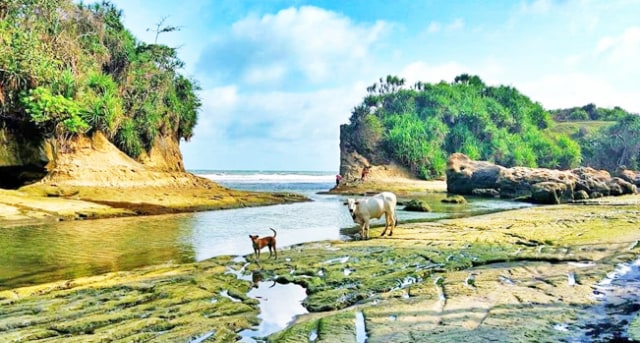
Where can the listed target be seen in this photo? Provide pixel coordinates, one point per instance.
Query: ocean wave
(268, 177)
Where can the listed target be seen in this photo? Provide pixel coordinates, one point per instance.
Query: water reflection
(279, 305)
(36, 254)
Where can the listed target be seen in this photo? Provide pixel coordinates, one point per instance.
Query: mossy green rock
(454, 199)
(416, 205)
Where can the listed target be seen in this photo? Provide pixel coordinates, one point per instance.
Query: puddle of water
(225, 294)
(279, 305)
(617, 305)
(337, 260)
(361, 332)
(240, 274)
(202, 338)
(313, 335)
(571, 279)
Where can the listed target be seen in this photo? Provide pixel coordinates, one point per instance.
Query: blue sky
(279, 77)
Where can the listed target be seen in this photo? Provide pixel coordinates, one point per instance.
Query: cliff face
(87, 161)
(22, 159)
(361, 148)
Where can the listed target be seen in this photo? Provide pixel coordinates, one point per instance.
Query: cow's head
(352, 204)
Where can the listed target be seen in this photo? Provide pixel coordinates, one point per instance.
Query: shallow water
(37, 254)
(618, 298)
(279, 305)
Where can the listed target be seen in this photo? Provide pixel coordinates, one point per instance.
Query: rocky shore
(538, 185)
(526, 275)
(96, 180)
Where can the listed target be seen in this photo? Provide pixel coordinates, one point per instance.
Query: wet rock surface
(526, 275)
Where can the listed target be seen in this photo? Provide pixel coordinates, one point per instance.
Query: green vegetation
(589, 112)
(421, 125)
(608, 137)
(615, 146)
(68, 69)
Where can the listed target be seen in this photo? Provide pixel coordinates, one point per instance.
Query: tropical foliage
(421, 125)
(609, 138)
(589, 112)
(68, 68)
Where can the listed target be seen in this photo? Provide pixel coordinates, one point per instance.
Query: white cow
(364, 209)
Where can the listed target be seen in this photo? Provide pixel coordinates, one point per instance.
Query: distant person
(365, 172)
(338, 179)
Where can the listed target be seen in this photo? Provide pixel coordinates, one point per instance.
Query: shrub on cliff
(68, 69)
(425, 123)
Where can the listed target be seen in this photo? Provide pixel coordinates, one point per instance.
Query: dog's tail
(274, 232)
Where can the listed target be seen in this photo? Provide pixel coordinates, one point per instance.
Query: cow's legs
(386, 225)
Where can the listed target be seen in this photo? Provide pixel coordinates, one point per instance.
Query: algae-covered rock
(454, 199)
(416, 285)
(416, 205)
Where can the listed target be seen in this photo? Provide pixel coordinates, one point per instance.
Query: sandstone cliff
(360, 149)
(90, 161)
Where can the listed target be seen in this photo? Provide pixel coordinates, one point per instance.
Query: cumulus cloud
(282, 87)
(620, 48)
(263, 127)
(536, 6)
(433, 27)
(577, 89)
(424, 72)
(292, 48)
(457, 24)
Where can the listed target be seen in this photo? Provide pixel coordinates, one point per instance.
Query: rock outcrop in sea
(539, 185)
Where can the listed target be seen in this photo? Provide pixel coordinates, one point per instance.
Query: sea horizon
(266, 176)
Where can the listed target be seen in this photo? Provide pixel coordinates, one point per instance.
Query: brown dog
(259, 243)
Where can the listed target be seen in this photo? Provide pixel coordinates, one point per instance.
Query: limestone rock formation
(539, 185)
(90, 161)
(359, 150)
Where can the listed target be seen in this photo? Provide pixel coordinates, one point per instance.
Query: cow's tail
(395, 217)
(274, 232)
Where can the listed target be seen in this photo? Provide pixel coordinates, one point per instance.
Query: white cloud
(457, 24)
(624, 47)
(536, 6)
(434, 26)
(309, 42)
(300, 129)
(578, 89)
(421, 71)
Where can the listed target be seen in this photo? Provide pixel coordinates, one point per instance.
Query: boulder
(580, 195)
(551, 192)
(539, 185)
(464, 175)
(630, 176)
(517, 182)
(454, 199)
(618, 186)
(486, 192)
(417, 206)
